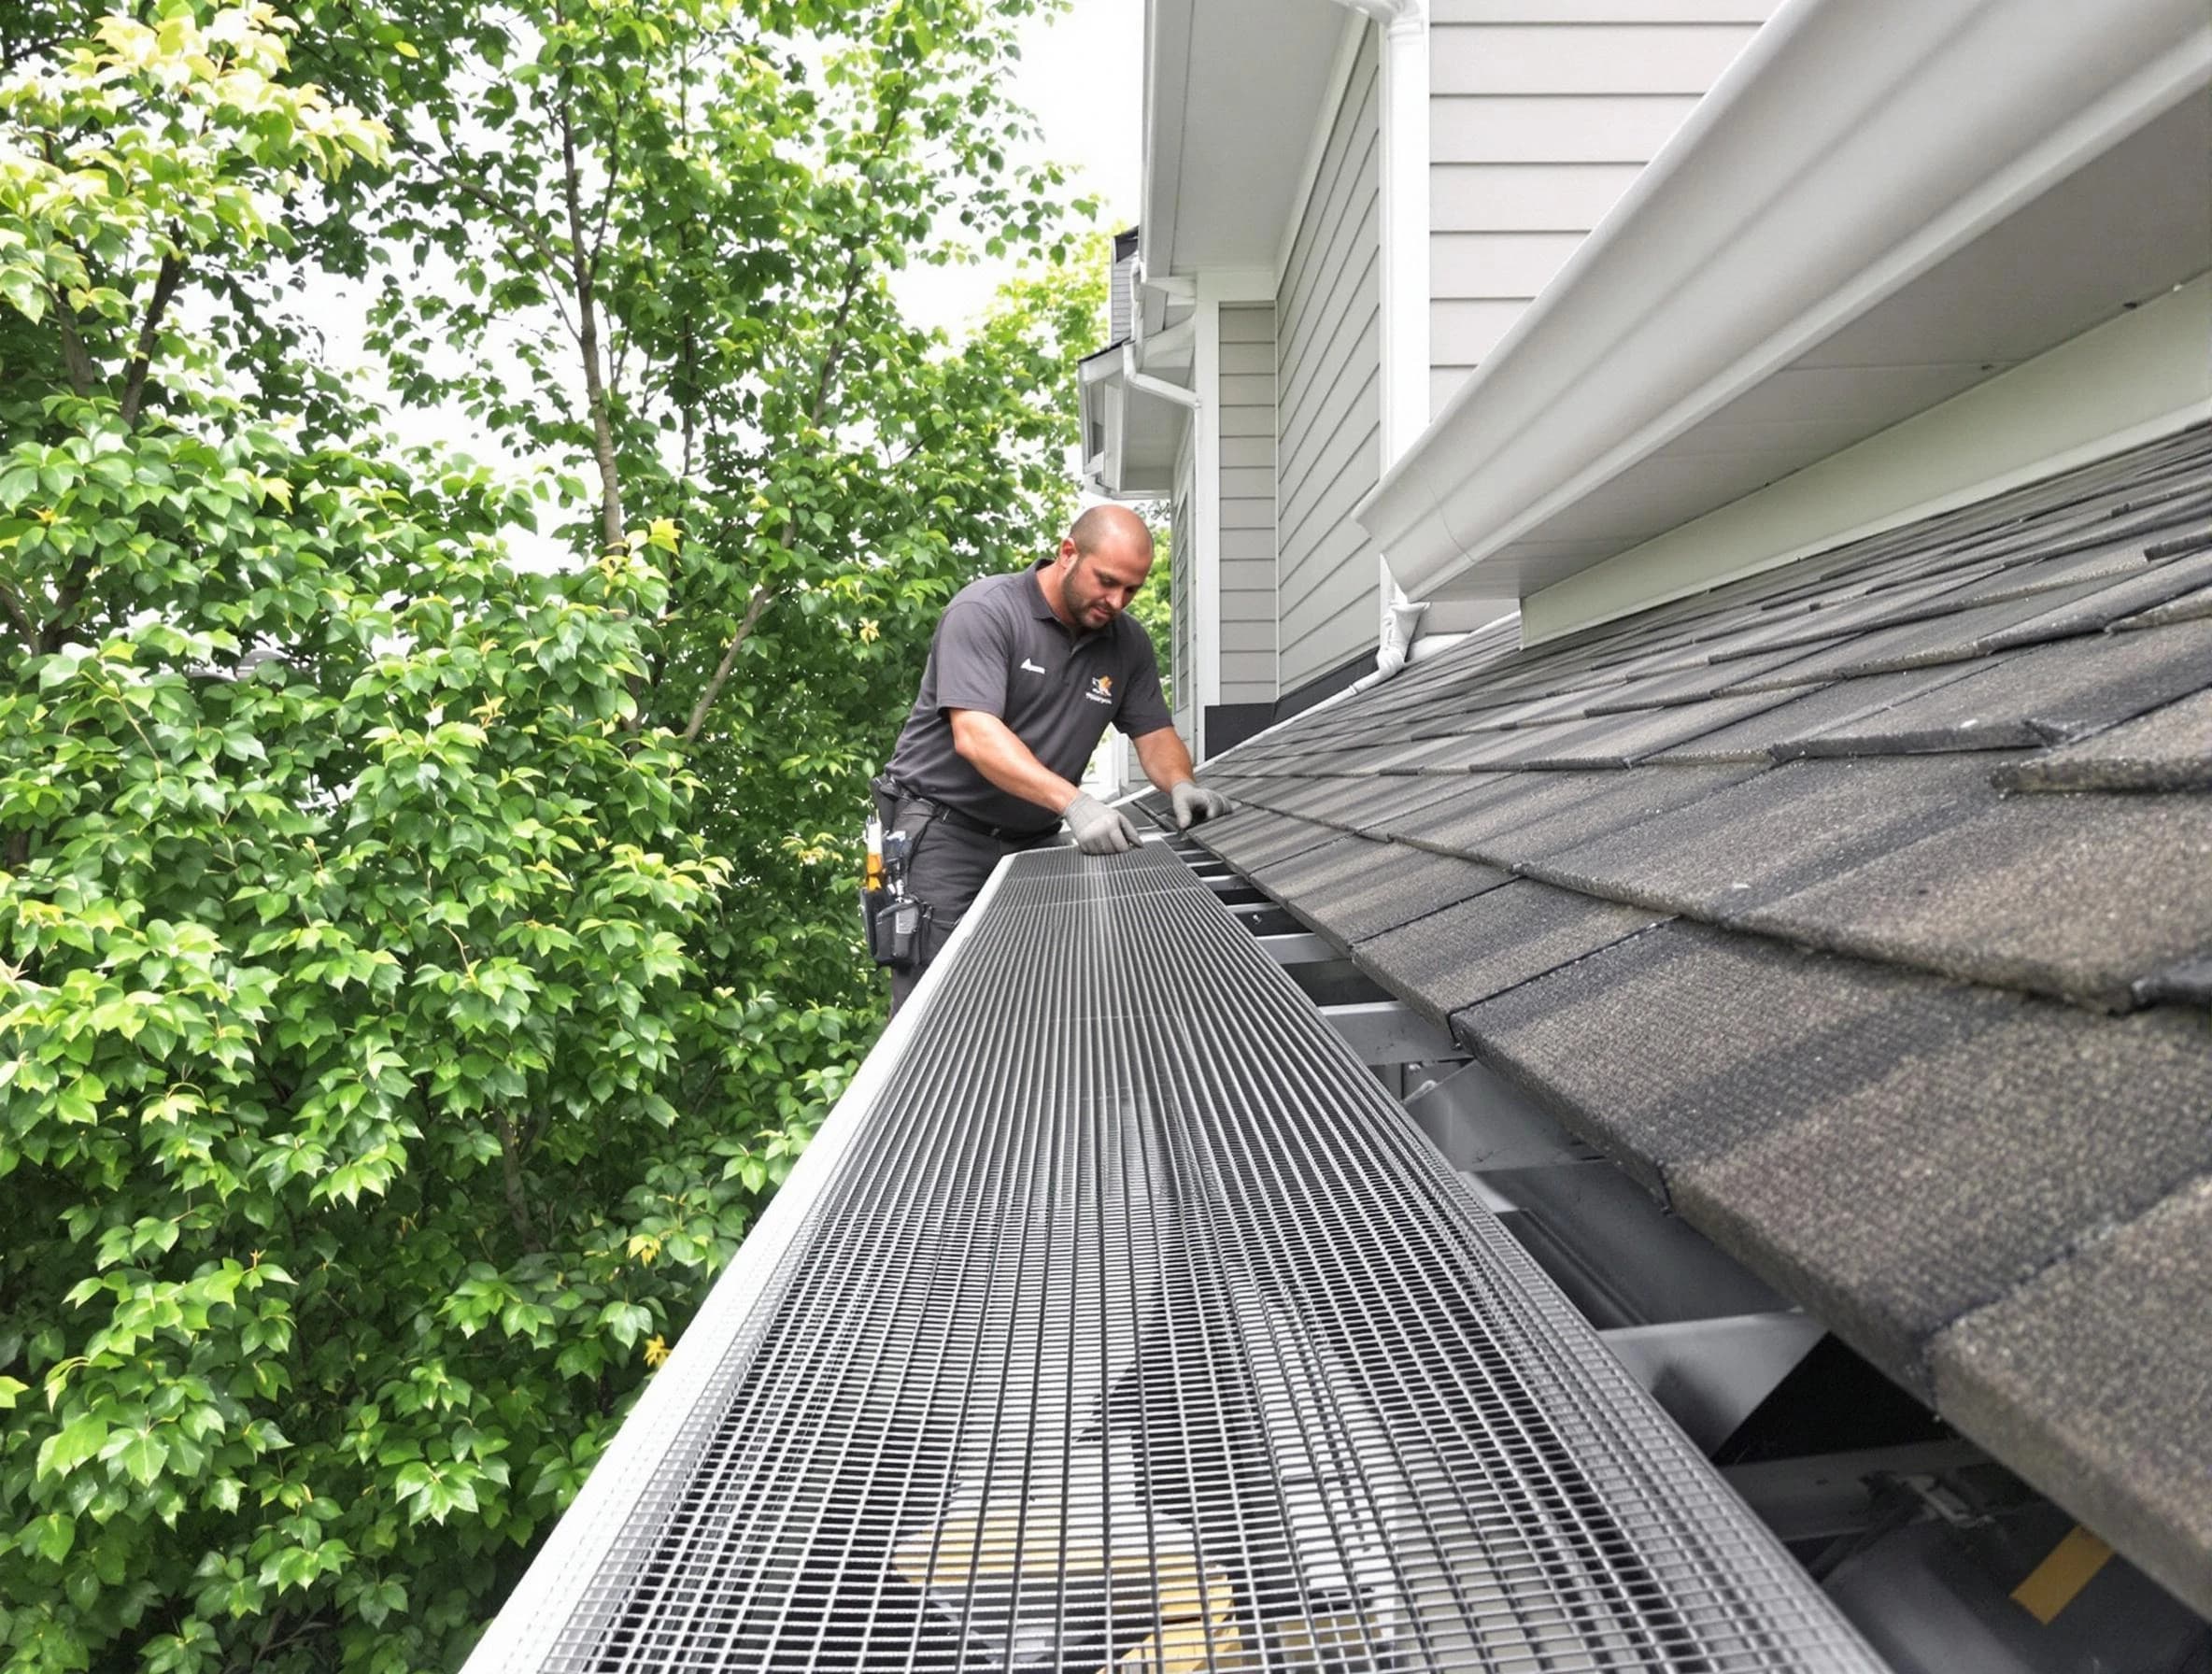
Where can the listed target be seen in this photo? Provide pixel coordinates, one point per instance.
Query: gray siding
(1248, 504)
(1329, 391)
(1541, 113)
(1182, 661)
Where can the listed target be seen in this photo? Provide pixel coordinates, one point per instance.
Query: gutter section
(1128, 1323)
(1853, 146)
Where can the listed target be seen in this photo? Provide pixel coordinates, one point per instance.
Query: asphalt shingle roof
(1862, 912)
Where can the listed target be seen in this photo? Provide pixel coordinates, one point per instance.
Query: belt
(966, 822)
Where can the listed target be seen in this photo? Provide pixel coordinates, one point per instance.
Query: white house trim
(1405, 221)
(1853, 146)
(1206, 516)
(2129, 381)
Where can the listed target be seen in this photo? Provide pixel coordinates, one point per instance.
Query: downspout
(1405, 279)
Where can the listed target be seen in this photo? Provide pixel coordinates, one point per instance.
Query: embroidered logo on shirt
(1030, 667)
(1102, 689)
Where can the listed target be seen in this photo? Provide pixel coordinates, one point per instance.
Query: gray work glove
(1194, 801)
(1097, 829)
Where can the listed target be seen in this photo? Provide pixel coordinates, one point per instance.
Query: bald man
(1024, 673)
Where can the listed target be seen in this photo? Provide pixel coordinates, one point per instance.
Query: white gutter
(1854, 145)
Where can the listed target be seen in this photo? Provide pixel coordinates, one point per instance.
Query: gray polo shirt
(1000, 648)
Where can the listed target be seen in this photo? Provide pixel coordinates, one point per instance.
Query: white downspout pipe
(1405, 278)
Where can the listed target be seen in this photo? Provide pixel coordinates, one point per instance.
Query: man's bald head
(1101, 565)
(1111, 525)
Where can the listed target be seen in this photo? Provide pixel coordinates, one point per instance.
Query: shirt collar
(1037, 600)
(1038, 604)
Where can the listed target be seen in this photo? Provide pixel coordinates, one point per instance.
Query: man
(1024, 674)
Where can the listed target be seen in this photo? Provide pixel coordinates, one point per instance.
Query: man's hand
(1194, 801)
(1098, 829)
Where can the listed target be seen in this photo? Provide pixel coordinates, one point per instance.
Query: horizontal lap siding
(1328, 391)
(1541, 114)
(1248, 504)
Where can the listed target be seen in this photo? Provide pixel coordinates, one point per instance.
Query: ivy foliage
(415, 972)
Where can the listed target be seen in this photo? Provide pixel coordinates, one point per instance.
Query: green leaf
(70, 1446)
(143, 1456)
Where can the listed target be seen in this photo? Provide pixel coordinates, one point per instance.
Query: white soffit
(1232, 92)
(1883, 203)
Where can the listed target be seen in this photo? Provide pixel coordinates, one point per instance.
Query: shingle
(1256, 837)
(2035, 573)
(1950, 637)
(1315, 868)
(2094, 1381)
(1723, 855)
(1400, 800)
(1495, 806)
(1455, 723)
(1349, 803)
(2079, 896)
(1397, 885)
(1532, 831)
(1851, 615)
(2190, 607)
(2111, 600)
(1700, 679)
(1620, 741)
(2050, 694)
(1688, 1042)
(2186, 982)
(1972, 1167)
(1480, 752)
(1483, 947)
(2168, 749)
(1780, 734)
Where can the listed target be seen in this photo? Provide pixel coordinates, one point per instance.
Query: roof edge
(1853, 145)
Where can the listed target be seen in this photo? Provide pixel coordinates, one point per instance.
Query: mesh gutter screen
(1119, 1319)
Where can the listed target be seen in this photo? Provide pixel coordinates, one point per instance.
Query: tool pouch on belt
(896, 922)
(898, 928)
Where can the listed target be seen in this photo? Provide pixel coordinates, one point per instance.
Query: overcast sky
(1082, 74)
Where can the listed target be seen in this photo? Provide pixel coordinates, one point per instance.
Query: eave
(1878, 206)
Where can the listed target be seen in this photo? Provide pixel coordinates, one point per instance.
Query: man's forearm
(1164, 758)
(988, 744)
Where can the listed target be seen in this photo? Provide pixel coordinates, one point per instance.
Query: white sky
(1082, 73)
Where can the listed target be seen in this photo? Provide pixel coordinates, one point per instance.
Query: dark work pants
(948, 869)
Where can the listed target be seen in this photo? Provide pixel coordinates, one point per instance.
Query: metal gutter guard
(1119, 1320)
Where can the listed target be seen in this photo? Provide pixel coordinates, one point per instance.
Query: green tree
(674, 230)
(417, 973)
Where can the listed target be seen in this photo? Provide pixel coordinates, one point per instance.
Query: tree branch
(74, 357)
(134, 375)
(510, 1159)
(759, 602)
(18, 615)
(595, 391)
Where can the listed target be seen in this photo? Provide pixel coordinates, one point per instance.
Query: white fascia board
(1853, 145)
(1236, 285)
(1166, 83)
(2145, 374)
